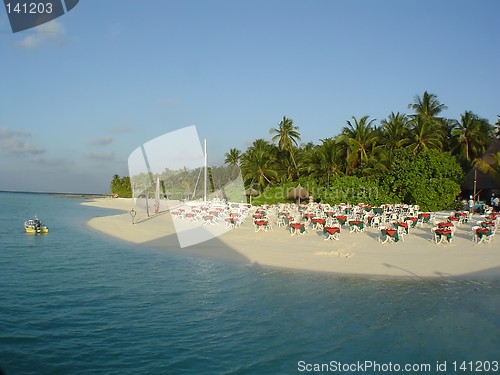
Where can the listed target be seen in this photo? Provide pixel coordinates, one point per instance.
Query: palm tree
(424, 135)
(305, 159)
(115, 184)
(497, 128)
(395, 133)
(358, 139)
(326, 160)
(428, 107)
(258, 163)
(492, 168)
(261, 144)
(287, 136)
(471, 135)
(233, 157)
(395, 130)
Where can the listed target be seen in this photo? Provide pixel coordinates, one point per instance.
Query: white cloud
(13, 142)
(56, 162)
(101, 141)
(51, 32)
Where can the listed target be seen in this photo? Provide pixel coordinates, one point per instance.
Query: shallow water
(74, 301)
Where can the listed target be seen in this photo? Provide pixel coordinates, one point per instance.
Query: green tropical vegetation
(120, 186)
(415, 158)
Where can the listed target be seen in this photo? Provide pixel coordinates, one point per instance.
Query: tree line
(416, 158)
(400, 151)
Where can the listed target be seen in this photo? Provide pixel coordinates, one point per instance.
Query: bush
(430, 179)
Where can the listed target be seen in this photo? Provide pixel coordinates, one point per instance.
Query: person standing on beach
(470, 203)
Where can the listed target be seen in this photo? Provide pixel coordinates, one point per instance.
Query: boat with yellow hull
(35, 226)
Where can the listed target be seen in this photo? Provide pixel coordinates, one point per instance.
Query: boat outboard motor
(37, 226)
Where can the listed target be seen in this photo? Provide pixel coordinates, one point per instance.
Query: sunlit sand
(418, 256)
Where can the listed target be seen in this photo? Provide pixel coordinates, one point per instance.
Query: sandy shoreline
(354, 254)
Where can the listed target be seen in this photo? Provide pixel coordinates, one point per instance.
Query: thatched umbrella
(188, 194)
(251, 192)
(298, 193)
(219, 193)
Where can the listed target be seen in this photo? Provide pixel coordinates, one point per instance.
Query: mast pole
(205, 175)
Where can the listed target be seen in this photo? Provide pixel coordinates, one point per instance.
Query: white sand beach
(418, 256)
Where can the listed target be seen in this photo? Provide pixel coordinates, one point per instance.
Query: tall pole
(205, 176)
(475, 184)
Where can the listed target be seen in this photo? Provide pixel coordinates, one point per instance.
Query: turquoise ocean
(77, 302)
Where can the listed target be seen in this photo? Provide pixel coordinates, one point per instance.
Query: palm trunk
(294, 164)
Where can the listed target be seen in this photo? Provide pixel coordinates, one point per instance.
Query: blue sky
(79, 94)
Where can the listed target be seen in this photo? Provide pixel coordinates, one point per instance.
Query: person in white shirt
(470, 204)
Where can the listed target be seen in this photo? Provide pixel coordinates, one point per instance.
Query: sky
(80, 93)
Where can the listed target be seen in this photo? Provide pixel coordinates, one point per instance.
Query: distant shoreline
(66, 195)
(83, 196)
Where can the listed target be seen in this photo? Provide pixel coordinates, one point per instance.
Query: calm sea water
(76, 302)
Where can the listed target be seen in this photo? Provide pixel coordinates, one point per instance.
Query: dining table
(356, 225)
(487, 224)
(208, 219)
(482, 234)
(445, 224)
(403, 224)
(261, 224)
(231, 222)
(425, 216)
(297, 228)
(413, 219)
(341, 219)
(390, 235)
(332, 233)
(317, 222)
(442, 233)
(191, 216)
(176, 214)
(493, 215)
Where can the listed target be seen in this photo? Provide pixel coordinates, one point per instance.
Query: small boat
(35, 226)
